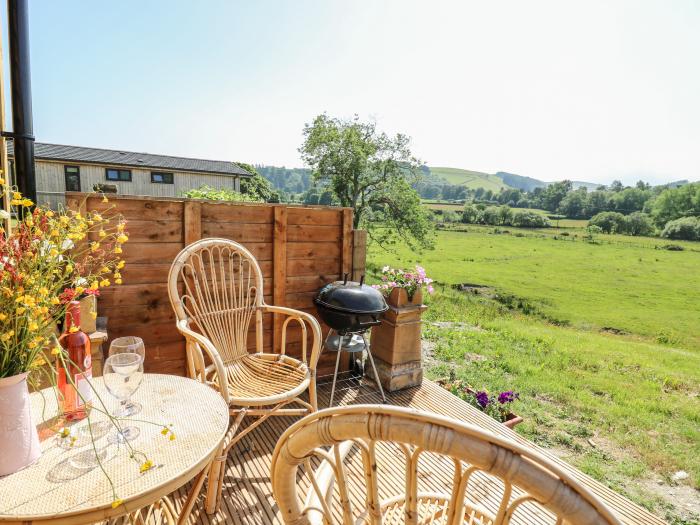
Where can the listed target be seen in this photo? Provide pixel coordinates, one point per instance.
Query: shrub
(638, 223)
(609, 221)
(529, 219)
(218, 194)
(686, 228)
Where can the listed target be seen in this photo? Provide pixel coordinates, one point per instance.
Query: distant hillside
(590, 186)
(520, 182)
(291, 180)
(469, 179)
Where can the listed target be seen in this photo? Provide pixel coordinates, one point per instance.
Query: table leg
(192, 496)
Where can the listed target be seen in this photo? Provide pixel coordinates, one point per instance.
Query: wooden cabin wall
(51, 182)
(298, 248)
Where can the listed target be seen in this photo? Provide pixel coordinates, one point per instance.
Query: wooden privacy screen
(299, 250)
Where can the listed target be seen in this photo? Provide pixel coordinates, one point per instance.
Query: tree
(505, 214)
(574, 203)
(630, 200)
(371, 172)
(470, 214)
(617, 186)
(554, 194)
(675, 203)
(257, 186)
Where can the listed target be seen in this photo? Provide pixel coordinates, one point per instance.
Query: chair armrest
(211, 351)
(302, 317)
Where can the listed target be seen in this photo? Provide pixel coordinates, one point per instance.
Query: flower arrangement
(48, 259)
(409, 280)
(498, 406)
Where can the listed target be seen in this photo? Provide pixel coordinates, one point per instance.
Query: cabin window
(115, 174)
(72, 174)
(160, 177)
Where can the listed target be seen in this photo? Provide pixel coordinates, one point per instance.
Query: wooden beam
(346, 243)
(192, 222)
(279, 270)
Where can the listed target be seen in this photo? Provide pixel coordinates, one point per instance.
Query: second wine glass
(122, 377)
(129, 345)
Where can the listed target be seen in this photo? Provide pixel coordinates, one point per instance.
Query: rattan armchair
(494, 481)
(216, 289)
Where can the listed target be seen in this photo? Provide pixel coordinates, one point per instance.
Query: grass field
(470, 179)
(601, 340)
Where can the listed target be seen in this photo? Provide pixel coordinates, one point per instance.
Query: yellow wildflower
(121, 239)
(116, 502)
(73, 329)
(118, 249)
(43, 291)
(16, 196)
(56, 350)
(146, 465)
(79, 290)
(102, 233)
(121, 264)
(54, 233)
(6, 336)
(104, 282)
(44, 309)
(94, 246)
(27, 202)
(53, 252)
(165, 431)
(118, 281)
(20, 310)
(172, 437)
(94, 285)
(69, 268)
(121, 226)
(97, 217)
(32, 344)
(33, 325)
(93, 315)
(105, 199)
(54, 300)
(64, 219)
(15, 202)
(39, 361)
(2, 181)
(49, 213)
(3, 316)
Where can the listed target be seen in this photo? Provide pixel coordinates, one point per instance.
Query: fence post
(359, 254)
(346, 243)
(279, 271)
(192, 221)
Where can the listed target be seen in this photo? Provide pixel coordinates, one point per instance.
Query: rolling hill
(470, 179)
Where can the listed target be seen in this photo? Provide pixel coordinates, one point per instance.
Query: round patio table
(56, 489)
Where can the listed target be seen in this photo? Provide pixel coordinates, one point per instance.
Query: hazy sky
(582, 90)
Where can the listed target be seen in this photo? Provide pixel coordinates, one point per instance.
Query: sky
(586, 90)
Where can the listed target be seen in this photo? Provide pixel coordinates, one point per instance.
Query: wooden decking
(248, 497)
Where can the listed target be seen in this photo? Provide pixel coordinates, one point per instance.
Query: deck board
(248, 500)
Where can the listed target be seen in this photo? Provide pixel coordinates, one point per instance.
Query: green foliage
(257, 186)
(675, 203)
(608, 221)
(219, 194)
(503, 216)
(638, 223)
(372, 173)
(686, 228)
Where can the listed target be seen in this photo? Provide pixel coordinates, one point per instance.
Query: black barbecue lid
(352, 297)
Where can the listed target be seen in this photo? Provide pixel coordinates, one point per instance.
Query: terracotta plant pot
(399, 298)
(19, 440)
(512, 420)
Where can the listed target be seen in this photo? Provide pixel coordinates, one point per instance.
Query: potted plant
(498, 406)
(404, 287)
(46, 260)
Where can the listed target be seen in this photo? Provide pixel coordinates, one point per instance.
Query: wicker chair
(486, 479)
(216, 290)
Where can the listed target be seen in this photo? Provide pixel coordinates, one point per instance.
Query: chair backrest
(374, 472)
(216, 285)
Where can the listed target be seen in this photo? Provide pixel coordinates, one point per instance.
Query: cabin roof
(82, 154)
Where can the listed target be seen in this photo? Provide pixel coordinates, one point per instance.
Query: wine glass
(122, 375)
(129, 345)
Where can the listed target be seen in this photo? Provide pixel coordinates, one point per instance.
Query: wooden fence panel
(299, 249)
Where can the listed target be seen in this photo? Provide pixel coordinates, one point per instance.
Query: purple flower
(430, 289)
(482, 397)
(507, 397)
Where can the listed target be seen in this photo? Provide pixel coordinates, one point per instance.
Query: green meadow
(601, 340)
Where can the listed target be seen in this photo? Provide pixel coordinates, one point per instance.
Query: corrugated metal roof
(79, 154)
